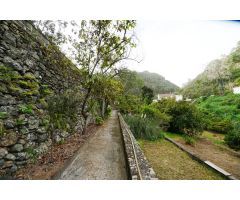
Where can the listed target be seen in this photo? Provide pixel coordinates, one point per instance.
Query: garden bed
(171, 163)
(210, 146)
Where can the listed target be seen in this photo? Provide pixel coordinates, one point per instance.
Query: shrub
(26, 109)
(63, 110)
(219, 125)
(32, 153)
(185, 117)
(232, 138)
(99, 120)
(189, 140)
(220, 112)
(108, 111)
(3, 115)
(129, 104)
(20, 122)
(143, 128)
(153, 114)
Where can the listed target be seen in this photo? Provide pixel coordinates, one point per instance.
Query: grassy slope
(171, 163)
(227, 106)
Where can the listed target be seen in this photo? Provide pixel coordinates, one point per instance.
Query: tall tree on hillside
(131, 81)
(147, 94)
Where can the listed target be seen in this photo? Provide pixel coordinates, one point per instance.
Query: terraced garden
(171, 163)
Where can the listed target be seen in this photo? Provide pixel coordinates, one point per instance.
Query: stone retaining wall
(31, 69)
(139, 168)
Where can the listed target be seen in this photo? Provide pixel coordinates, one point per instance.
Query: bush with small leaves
(99, 120)
(232, 138)
(144, 128)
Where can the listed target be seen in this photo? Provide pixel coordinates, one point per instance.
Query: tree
(98, 47)
(132, 83)
(107, 91)
(147, 94)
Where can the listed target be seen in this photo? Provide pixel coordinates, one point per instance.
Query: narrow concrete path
(101, 157)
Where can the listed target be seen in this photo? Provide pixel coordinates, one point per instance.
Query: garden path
(101, 157)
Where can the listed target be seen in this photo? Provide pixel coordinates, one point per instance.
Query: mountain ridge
(157, 82)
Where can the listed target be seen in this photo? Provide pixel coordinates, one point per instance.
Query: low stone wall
(139, 168)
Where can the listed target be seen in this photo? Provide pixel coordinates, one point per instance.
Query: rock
(57, 138)
(48, 142)
(1, 162)
(29, 144)
(21, 141)
(33, 123)
(34, 55)
(10, 157)
(12, 169)
(64, 134)
(3, 89)
(3, 152)
(17, 148)
(9, 109)
(31, 137)
(9, 139)
(37, 74)
(10, 37)
(41, 130)
(9, 124)
(24, 131)
(3, 102)
(10, 62)
(7, 164)
(42, 137)
(7, 100)
(42, 67)
(21, 162)
(42, 148)
(56, 135)
(22, 156)
(14, 52)
(29, 63)
(5, 27)
(4, 45)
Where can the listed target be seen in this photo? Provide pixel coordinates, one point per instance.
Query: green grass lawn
(173, 135)
(171, 163)
(216, 138)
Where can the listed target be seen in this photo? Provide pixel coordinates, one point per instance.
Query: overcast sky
(180, 50)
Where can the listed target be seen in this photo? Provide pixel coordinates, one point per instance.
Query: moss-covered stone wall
(31, 69)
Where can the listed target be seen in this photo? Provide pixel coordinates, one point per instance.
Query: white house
(165, 96)
(236, 90)
(178, 97)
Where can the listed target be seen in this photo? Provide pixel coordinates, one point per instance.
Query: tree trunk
(103, 107)
(83, 111)
(84, 125)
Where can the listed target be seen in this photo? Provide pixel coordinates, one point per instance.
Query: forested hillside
(218, 78)
(157, 82)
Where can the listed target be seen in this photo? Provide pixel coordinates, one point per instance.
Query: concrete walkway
(101, 157)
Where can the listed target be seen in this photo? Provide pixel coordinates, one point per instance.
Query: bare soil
(220, 155)
(50, 163)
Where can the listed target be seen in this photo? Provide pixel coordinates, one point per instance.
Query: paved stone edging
(139, 168)
(205, 162)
